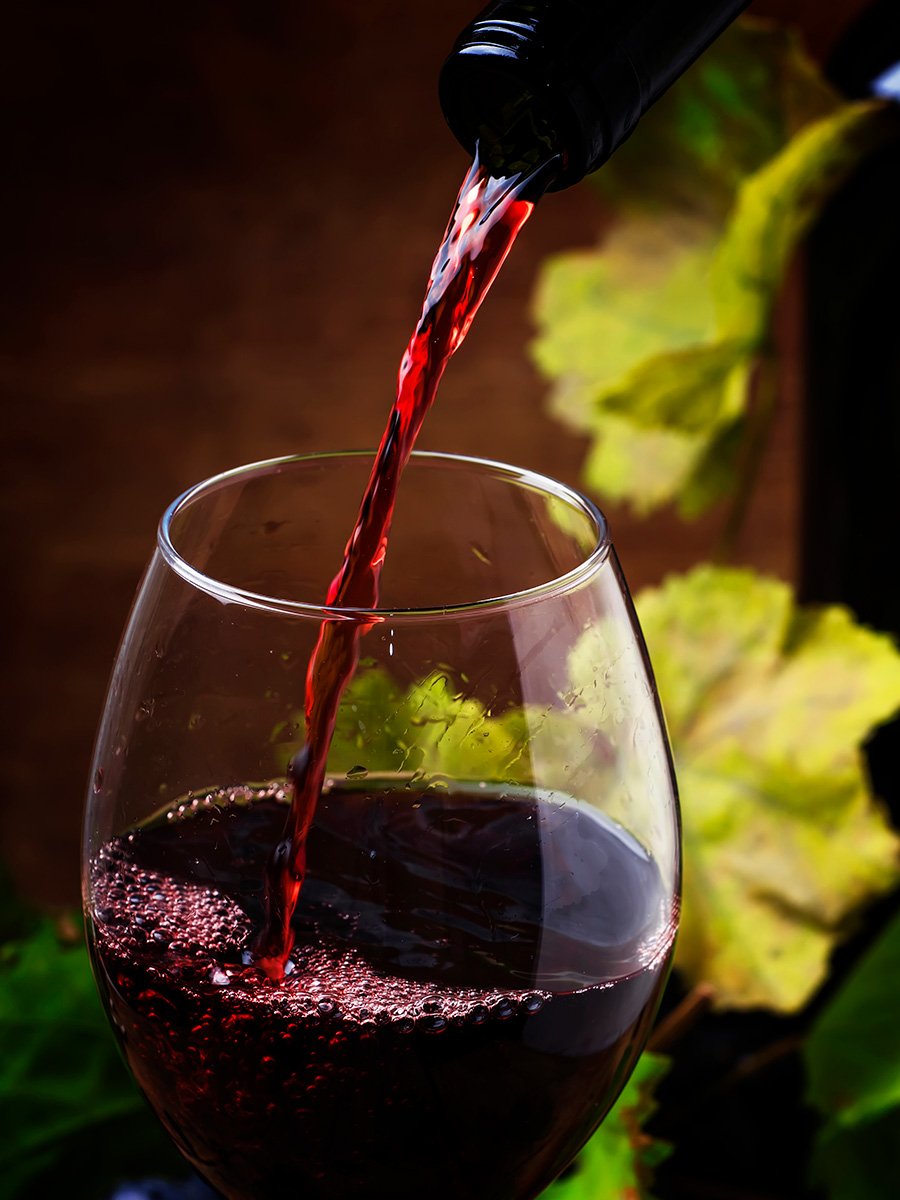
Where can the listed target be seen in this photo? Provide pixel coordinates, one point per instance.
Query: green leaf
(862, 1163)
(16, 919)
(617, 1162)
(372, 725)
(61, 1079)
(92, 1164)
(59, 1072)
(853, 1064)
(679, 429)
(767, 706)
(461, 739)
(430, 728)
(713, 471)
(775, 207)
(853, 1051)
(727, 115)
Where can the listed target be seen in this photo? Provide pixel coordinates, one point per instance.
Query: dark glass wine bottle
(852, 416)
(568, 80)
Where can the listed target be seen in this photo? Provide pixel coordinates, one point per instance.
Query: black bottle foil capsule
(569, 79)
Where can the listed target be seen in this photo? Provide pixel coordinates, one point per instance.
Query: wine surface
(472, 977)
(486, 219)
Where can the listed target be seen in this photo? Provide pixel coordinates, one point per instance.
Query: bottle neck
(531, 80)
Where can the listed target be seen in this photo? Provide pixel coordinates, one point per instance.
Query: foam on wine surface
(491, 967)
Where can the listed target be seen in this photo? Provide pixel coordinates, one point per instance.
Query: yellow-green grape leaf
(673, 428)
(853, 1065)
(370, 726)
(618, 1161)
(434, 730)
(776, 205)
(461, 739)
(687, 390)
(600, 313)
(643, 467)
(767, 706)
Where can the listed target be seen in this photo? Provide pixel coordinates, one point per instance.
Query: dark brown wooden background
(204, 204)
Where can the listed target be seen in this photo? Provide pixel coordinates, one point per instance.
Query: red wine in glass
(464, 1047)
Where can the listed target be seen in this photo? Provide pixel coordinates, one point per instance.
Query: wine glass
(492, 870)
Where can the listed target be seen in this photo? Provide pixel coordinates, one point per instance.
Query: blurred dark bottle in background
(851, 509)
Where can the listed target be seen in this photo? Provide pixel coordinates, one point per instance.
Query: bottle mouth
(496, 102)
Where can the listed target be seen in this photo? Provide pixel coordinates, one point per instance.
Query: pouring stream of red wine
(488, 215)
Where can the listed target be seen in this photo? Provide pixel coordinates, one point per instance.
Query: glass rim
(232, 594)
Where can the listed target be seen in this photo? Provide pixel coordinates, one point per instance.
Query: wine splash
(487, 218)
